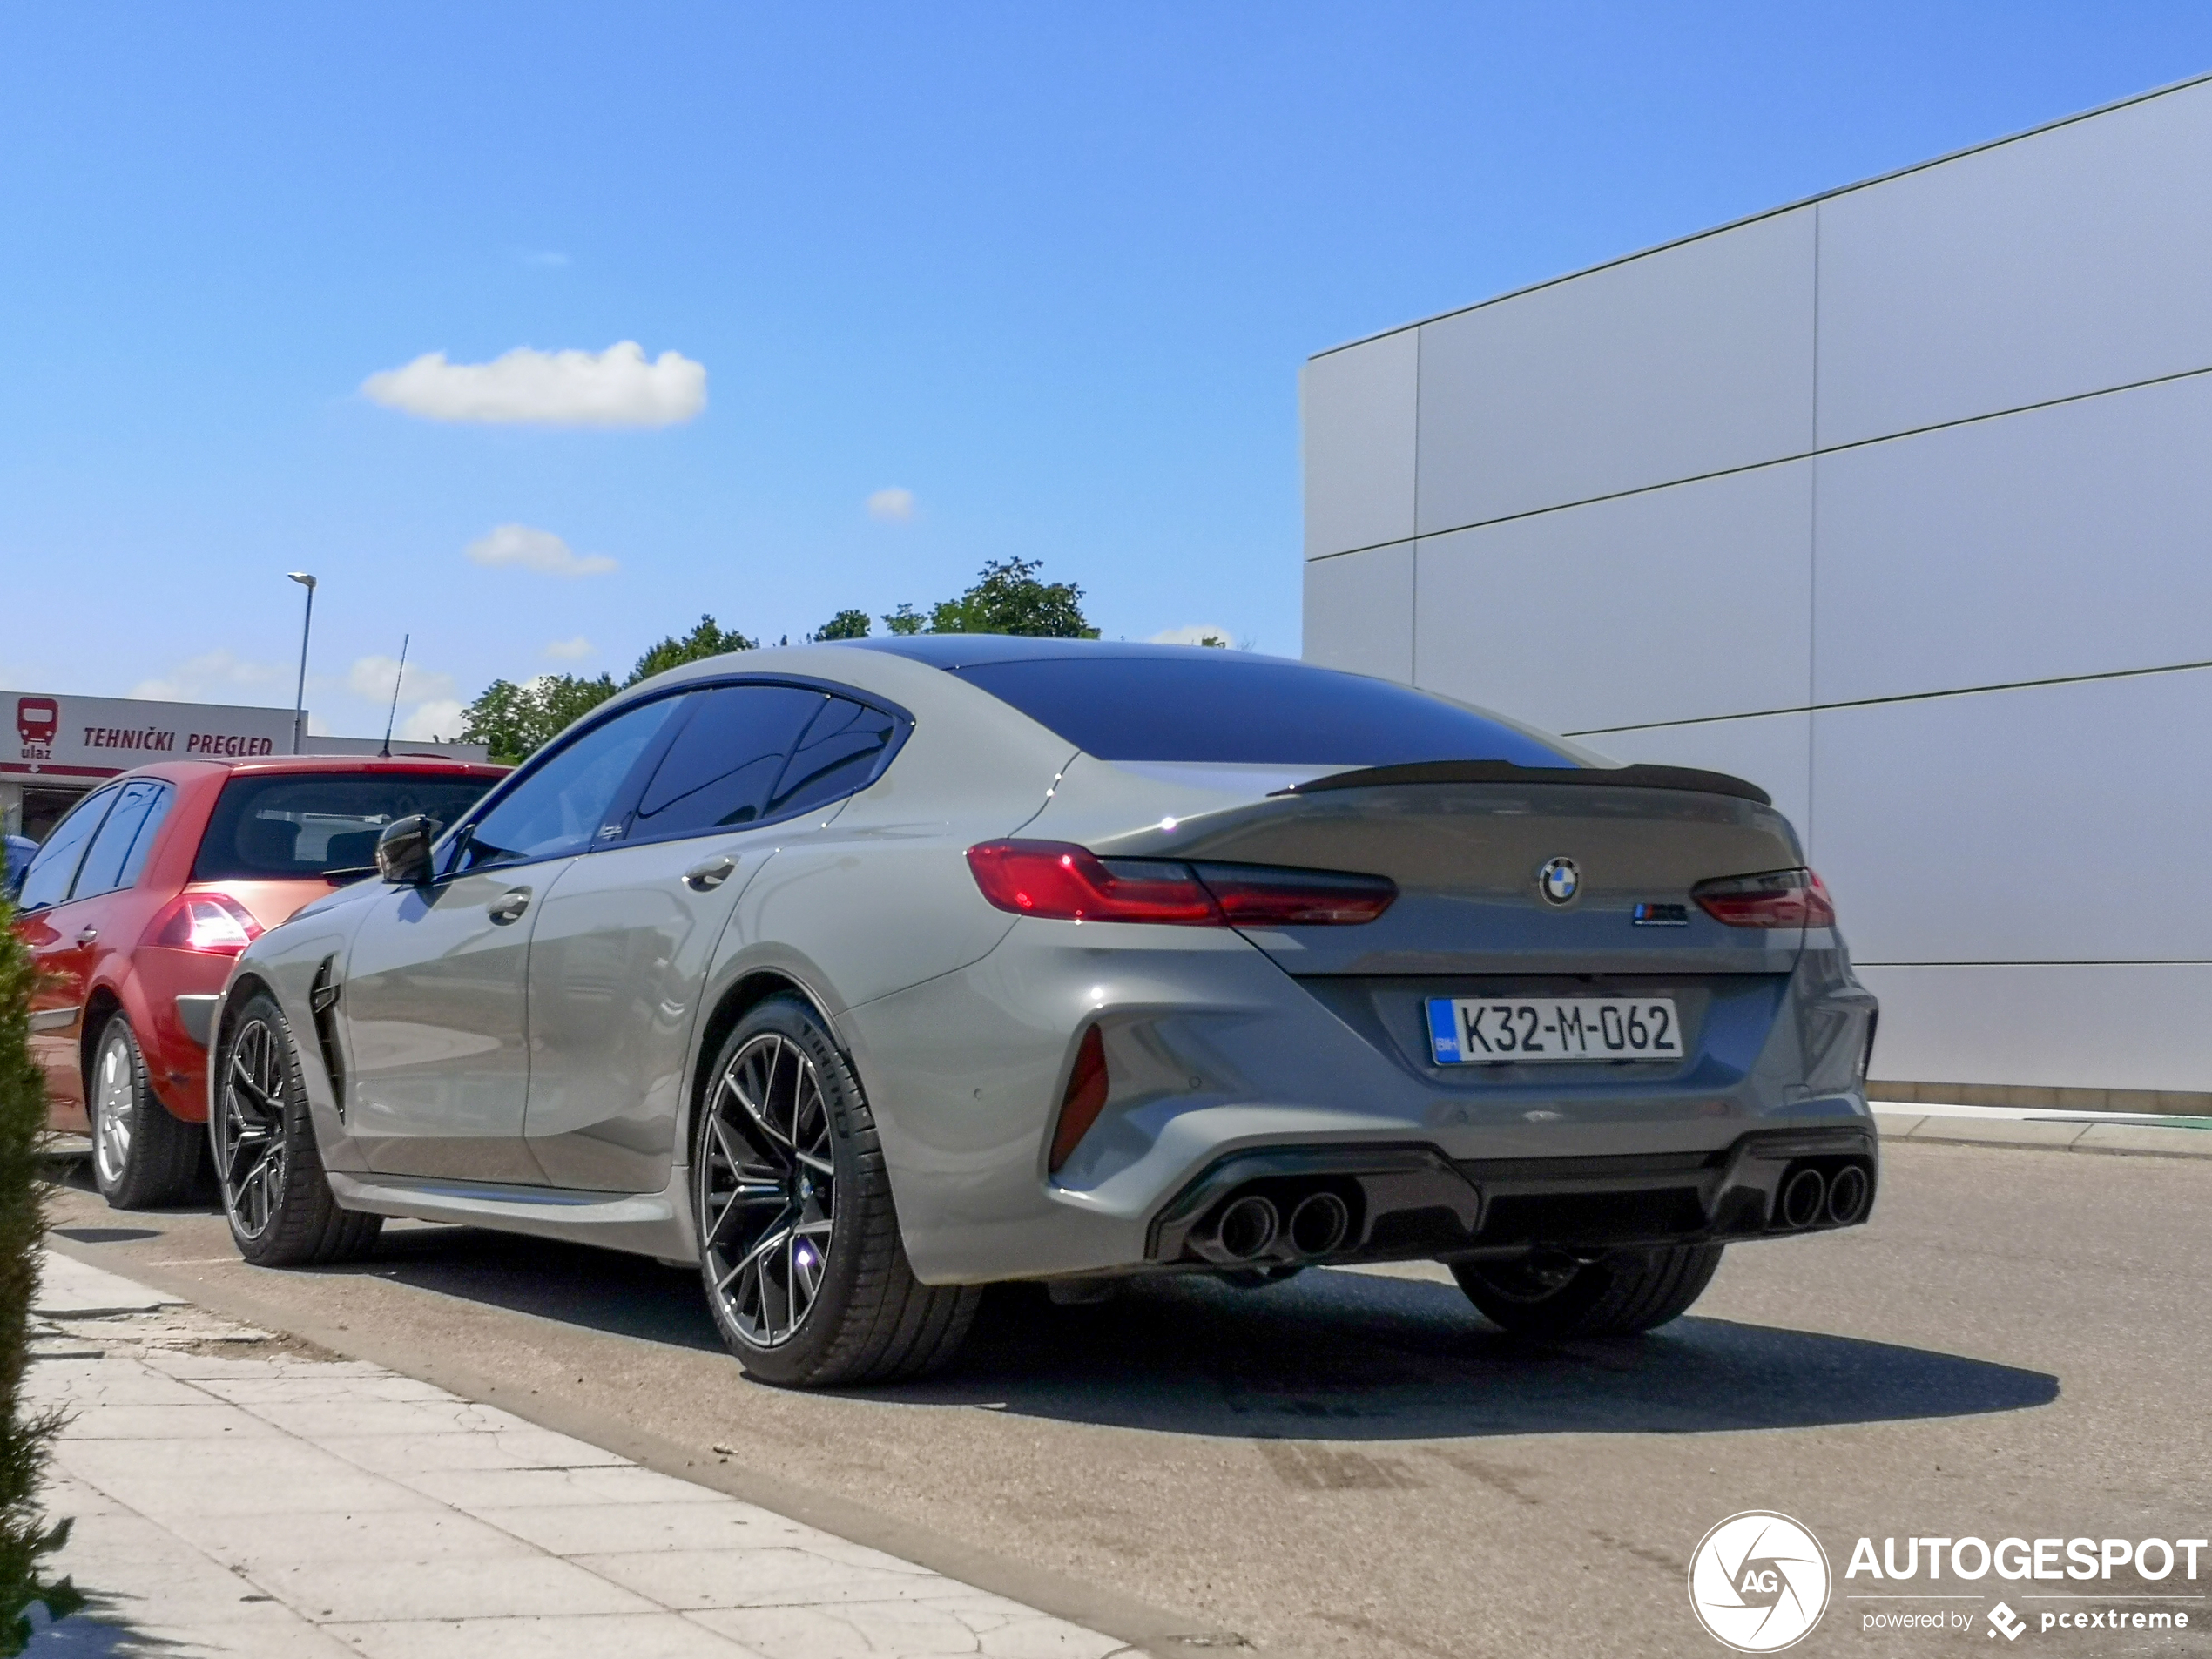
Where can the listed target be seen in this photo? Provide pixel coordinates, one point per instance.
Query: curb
(2124, 1140)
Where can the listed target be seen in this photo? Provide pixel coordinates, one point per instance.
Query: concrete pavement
(236, 1494)
(1354, 1465)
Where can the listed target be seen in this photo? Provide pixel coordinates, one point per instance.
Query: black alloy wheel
(768, 1190)
(275, 1196)
(799, 1251)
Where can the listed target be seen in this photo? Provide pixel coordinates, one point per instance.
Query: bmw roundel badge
(1559, 881)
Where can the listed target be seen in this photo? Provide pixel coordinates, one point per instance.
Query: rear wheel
(274, 1192)
(804, 1267)
(141, 1155)
(1544, 1294)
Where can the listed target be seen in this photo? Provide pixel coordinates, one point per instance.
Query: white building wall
(1897, 503)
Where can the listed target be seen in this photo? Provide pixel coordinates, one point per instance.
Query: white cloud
(431, 721)
(371, 677)
(544, 256)
(1193, 633)
(892, 506)
(569, 650)
(617, 386)
(215, 677)
(539, 550)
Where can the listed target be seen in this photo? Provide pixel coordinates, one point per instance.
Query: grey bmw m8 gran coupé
(864, 974)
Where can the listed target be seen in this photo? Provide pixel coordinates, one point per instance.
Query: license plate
(1464, 1031)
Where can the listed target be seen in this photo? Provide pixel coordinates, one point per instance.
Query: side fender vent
(322, 1003)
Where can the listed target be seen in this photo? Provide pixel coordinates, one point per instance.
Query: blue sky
(1051, 269)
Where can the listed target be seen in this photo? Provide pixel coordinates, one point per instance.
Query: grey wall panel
(1688, 360)
(1359, 611)
(2069, 261)
(1772, 751)
(2050, 824)
(1358, 405)
(1668, 604)
(2114, 1027)
(2065, 540)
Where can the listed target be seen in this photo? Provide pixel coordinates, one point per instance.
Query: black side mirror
(404, 850)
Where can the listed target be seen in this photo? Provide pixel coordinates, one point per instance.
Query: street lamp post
(299, 696)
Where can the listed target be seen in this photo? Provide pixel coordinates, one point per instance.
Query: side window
(562, 806)
(48, 879)
(719, 770)
(118, 852)
(840, 754)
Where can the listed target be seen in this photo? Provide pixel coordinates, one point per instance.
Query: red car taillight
(1062, 882)
(209, 922)
(1779, 899)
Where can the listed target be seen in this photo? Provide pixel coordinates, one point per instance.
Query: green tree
(25, 1537)
(905, 620)
(845, 624)
(514, 721)
(708, 639)
(1008, 598)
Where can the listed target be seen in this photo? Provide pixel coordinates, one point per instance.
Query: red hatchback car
(140, 901)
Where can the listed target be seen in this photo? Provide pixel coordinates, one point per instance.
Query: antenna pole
(385, 754)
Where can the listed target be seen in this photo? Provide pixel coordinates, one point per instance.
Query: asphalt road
(1350, 1463)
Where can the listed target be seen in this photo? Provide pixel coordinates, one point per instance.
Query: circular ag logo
(1758, 1581)
(1559, 881)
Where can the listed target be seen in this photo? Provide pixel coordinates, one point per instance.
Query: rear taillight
(1061, 882)
(1253, 895)
(1085, 1099)
(1777, 899)
(210, 923)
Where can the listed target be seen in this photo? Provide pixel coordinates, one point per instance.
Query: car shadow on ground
(1328, 1355)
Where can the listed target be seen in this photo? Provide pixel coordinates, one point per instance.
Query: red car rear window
(287, 826)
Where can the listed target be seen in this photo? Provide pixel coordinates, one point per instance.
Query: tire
(1623, 1294)
(142, 1157)
(799, 1251)
(275, 1195)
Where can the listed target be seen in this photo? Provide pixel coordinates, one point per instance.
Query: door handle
(704, 878)
(86, 935)
(510, 906)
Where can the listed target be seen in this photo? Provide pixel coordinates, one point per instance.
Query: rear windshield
(286, 826)
(1234, 709)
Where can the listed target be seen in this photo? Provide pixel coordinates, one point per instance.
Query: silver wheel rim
(249, 1129)
(115, 1106)
(767, 1191)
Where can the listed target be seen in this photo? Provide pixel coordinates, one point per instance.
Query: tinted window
(842, 752)
(291, 827)
(1198, 708)
(562, 806)
(723, 764)
(118, 852)
(47, 881)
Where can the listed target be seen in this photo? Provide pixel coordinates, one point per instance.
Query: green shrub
(25, 1537)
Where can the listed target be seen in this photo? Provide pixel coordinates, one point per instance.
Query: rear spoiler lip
(1505, 771)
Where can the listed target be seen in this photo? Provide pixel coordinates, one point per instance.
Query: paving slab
(229, 1498)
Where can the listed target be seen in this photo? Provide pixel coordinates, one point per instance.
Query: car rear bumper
(1215, 1055)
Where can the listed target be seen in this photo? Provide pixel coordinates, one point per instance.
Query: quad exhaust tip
(1247, 1228)
(1847, 1195)
(1803, 1198)
(1318, 1224)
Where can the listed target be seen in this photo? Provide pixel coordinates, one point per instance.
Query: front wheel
(799, 1248)
(141, 1155)
(1555, 1297)
(274, 1192)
